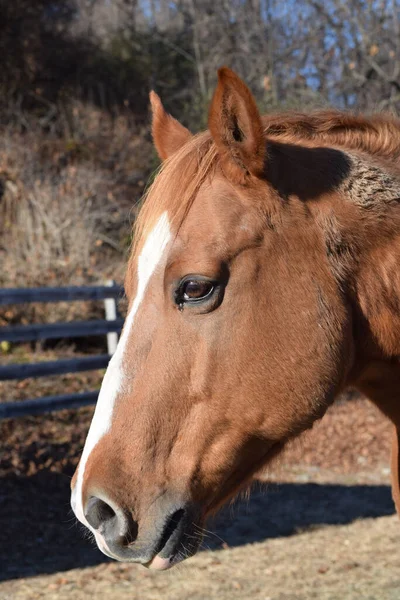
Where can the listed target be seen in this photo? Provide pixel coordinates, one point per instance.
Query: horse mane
(378, 135)
(180, 176)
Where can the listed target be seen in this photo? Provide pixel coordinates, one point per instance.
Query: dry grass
(67, 202)
(56, 227)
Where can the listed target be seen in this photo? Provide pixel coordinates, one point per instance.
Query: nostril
(170, 528)
(98, 512)
(116, 525)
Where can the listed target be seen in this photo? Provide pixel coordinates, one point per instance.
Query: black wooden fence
(54, 331)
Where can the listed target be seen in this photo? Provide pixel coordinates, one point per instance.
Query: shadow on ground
(39, 535)
(284, 509)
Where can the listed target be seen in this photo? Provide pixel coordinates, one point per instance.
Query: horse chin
(163, 564)
(159, 564)
(237, 483)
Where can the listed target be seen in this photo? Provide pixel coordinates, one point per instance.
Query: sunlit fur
(175, 187)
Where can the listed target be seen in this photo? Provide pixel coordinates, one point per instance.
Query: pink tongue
(159, 564)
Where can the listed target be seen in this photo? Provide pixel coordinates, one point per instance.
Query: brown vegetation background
(75, 149)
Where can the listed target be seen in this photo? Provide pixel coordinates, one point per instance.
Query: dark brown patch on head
(306, 173)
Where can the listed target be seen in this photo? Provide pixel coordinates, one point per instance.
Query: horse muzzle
(168, 534)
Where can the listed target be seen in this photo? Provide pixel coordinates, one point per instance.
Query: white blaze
(148, 260)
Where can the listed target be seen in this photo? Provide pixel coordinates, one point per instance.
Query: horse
(262, 282)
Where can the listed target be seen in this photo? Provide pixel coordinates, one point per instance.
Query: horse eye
(194, 289)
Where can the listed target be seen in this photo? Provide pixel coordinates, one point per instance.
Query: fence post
(110, 307)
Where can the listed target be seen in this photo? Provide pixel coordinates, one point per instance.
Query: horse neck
(377, 290)
(374, 247)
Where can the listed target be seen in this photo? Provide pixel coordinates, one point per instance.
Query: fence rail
(111, 327)
(59, 294)
(46, 404)
(54, 367)
(29, 333)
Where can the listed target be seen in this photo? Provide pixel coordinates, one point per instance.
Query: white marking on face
(148, 260)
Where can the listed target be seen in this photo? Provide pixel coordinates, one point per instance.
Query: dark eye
(195, 289)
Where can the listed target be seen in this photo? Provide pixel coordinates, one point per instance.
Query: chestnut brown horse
(263, 281)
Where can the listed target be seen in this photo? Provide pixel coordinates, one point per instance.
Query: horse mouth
(181, 539)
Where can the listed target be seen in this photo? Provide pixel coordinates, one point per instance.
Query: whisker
(212, 533)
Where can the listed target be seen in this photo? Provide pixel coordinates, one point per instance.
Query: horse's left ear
(168, 134)
(236, 127)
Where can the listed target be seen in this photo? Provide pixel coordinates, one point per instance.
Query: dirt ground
(323, 526)
(346, 562)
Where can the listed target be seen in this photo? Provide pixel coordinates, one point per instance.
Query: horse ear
(168, 134)
(236, 127)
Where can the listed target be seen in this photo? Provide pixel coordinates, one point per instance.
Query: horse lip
(164, 559)
(183, 544)
(159, 564)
